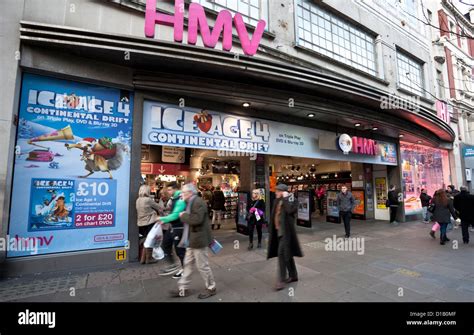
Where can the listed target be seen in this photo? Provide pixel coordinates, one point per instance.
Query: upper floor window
(251, 10)
(324, 32)
(410, 73)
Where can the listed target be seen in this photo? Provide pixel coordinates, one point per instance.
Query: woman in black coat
(283, 241)
(443, 209)
(218, 206)
(255, 218)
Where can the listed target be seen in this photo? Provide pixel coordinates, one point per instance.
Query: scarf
(184, 243)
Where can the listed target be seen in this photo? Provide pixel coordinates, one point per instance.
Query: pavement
(399, 264)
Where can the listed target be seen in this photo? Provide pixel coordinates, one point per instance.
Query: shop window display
(422, 167)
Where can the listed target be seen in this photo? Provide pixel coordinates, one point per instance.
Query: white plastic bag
(154, 237)
(158, 253)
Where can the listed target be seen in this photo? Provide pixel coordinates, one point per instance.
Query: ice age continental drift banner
(72, 168)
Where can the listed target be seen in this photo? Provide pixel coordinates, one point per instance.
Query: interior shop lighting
(246, 104)
(375, 128)
(401, 136)
(357, 125)
(311, 115)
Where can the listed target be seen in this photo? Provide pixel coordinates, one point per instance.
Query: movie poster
(72, 167)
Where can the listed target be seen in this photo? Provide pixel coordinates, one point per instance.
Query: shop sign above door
(357, 145)
(197, 21)
(230, 135)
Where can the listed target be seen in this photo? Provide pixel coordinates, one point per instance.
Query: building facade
(285, 79)
(453, 52)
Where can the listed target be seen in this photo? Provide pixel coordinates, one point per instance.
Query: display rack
(230, 207)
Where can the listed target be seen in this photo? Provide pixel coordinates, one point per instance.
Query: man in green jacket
(196, 238)
(173, 235)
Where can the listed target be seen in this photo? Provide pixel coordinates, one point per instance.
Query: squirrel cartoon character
(100, 155)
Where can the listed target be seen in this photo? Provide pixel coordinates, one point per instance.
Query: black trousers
(346, 218)
(393, 213)
(252, 225)
(145, 230)
(321, 206)
(172, 237)
(465, 230)
(286, 262)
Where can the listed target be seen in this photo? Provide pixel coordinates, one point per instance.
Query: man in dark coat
(283, 241)
(393, 204)
(464, 204)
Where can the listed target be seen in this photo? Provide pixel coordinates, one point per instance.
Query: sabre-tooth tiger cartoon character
(100, 155)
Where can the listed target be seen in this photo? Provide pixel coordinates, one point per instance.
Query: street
(399, 264)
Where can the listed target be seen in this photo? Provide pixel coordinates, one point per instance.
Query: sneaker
(169, 270)
(178, 274)
(207, 294)
(432, 234)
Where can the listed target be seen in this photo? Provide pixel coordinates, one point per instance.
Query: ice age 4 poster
(72, 166)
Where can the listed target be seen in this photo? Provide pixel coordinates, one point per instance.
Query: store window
(410, 73)
(251, 10)
(422, 167)
(322, 31)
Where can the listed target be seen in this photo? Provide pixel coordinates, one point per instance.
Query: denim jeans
(443, 229)
(425, 214)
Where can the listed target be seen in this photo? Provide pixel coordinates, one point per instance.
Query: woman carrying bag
(147, 216)
(255, 217)
(442, 209)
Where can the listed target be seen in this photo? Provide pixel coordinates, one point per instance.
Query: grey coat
(346, 203)
(147, 210)
(442, 214)
(198, 220)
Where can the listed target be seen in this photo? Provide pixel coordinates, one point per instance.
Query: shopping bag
(158, 253)
(154, 237)
(215, 247)
(435, 227)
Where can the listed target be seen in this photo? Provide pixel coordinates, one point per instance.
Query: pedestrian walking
(346, 204)
(443, 209)
(218, 206)
(283, 241)
(393, 204)
(320, 194)
(255, 218)
(425, 203)
(147, 216)
(197, 238)
(174, 234)
(464, 204)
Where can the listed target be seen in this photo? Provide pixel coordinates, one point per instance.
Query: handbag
(215, 247)
(431, 208)
(435, 227)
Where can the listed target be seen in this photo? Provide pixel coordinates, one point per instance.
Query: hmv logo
(197, 21)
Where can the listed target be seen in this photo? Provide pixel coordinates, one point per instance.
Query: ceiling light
(311, 115)
(401, 136)
(246, 104)
(357, 125)
(375, 128)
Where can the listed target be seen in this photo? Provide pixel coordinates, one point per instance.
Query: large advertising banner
(171, 125)
(72, 167)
